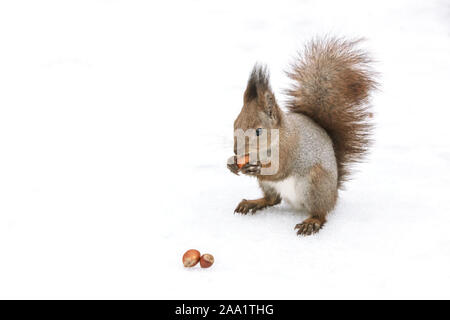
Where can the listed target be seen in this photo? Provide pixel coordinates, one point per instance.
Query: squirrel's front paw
(249, 205)
(232, 165)
(252, 169)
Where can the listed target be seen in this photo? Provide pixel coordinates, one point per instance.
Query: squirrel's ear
(267, 100)
(258, 88)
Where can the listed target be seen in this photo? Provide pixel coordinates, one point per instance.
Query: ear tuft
(258, 83)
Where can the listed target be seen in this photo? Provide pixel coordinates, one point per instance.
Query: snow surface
(116, 123)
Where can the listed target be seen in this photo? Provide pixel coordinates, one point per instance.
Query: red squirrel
(326, 128)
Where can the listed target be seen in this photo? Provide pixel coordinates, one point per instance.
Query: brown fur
(323, 194)
(333, 82)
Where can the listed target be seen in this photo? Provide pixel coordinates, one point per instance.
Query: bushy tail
(332, 84)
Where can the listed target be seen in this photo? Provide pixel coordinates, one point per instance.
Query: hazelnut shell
(191, 258)
(206, 260)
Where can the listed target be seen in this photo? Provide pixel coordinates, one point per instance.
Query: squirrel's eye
(258, 132)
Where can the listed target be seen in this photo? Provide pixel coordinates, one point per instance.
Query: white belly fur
(292, 189)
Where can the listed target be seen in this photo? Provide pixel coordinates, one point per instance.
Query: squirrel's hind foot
(310, 226)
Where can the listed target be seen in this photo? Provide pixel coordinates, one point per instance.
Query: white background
(116, 123)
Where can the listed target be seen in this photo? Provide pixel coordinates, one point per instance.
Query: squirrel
(326, 128)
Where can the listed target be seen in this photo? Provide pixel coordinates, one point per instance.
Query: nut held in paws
(191, 258)
(206, 260)
(243, 161)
